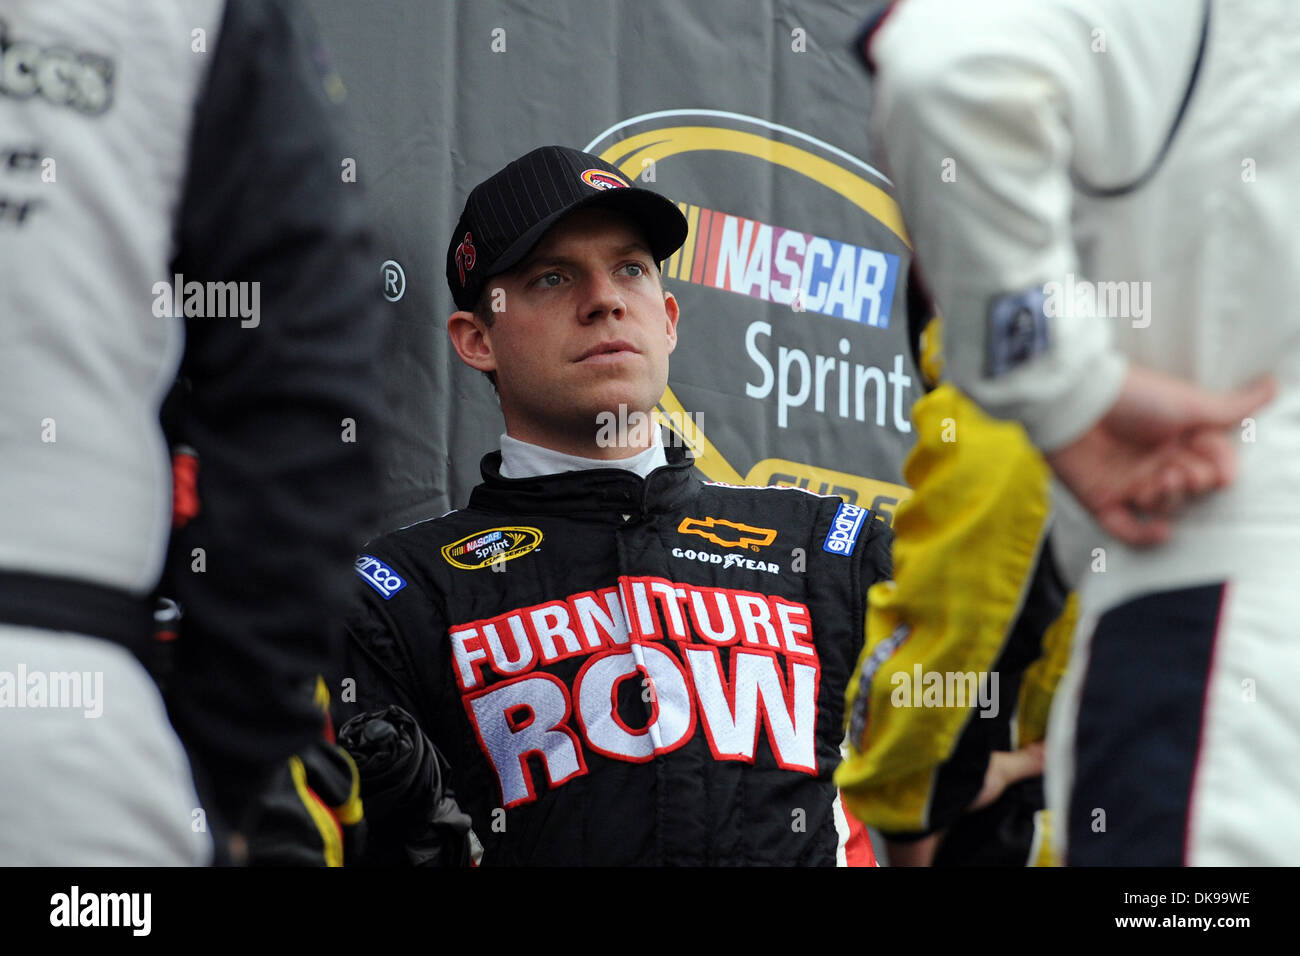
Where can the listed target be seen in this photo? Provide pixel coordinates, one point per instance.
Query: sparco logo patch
(599, 179)
(62, 76)
(732, 665)
(484, 548)
(379, 576)
(845, 527)
(729, 534)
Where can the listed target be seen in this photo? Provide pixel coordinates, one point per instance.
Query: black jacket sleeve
(285, 490)
(378, 669)
(381, 703)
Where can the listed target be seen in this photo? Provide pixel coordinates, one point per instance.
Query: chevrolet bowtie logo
(729, 534)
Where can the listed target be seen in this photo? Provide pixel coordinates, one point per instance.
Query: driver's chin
(611, 393)
(613, 405)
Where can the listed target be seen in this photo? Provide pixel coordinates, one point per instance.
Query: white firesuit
(1093, 182)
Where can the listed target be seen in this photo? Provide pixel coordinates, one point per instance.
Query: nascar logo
(810, 273)
(460, 549)
(845, 527)
(491, 547)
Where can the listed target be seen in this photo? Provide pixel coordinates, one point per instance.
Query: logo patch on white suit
(845, 528)
(1018, 330)
(379, 576)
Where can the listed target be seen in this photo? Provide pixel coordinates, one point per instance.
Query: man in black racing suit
(621, 664)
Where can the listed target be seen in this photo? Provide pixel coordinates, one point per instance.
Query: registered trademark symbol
(394, 280)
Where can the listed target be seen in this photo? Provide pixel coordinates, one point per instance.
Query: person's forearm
(984, 111)
(913, 852)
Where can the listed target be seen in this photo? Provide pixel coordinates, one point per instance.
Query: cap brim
(659, 218)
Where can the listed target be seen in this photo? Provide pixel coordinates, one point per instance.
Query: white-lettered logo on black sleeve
(379, 576)
(845, 527)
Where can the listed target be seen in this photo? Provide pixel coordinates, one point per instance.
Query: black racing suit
(624, 670)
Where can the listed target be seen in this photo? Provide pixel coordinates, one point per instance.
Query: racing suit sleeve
(383, 706)
(311, 815)
(987, 113)
(971, 598)
(377, 668)
(285, 491)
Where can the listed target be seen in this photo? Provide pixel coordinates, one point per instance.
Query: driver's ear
(672, 310)
(472, 340)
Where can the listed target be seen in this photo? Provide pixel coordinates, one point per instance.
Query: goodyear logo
(845, 527)
(729, 534)
(484, 548)
(379, 576)
(785, 266)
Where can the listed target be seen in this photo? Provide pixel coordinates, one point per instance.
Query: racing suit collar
(593, 492)
(519, 459)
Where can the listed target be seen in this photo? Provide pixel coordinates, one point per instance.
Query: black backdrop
(752, 111)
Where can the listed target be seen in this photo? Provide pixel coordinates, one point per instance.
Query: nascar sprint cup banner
(792, 365)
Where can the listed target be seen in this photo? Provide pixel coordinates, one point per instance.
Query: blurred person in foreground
(170, 204)
(1101, 196)
(979, 603)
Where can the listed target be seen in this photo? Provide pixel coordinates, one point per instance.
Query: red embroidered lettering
(731, 710)
(672, 715)
(773, 683)
(549, 622)
(724, 631)
(503, 663)
(670, 599)
(467, 650)
(508, 734)
(755, 615)
(600, 626)
(795, 623)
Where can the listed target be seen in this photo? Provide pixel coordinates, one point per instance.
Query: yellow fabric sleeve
(965, 545)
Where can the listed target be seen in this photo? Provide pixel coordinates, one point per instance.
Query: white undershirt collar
(519, 459)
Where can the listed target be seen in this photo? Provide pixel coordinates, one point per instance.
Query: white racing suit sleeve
(988, 113)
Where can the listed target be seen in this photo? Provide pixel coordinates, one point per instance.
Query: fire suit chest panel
(661, 684)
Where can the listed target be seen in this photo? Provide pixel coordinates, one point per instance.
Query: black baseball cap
(507, 214)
